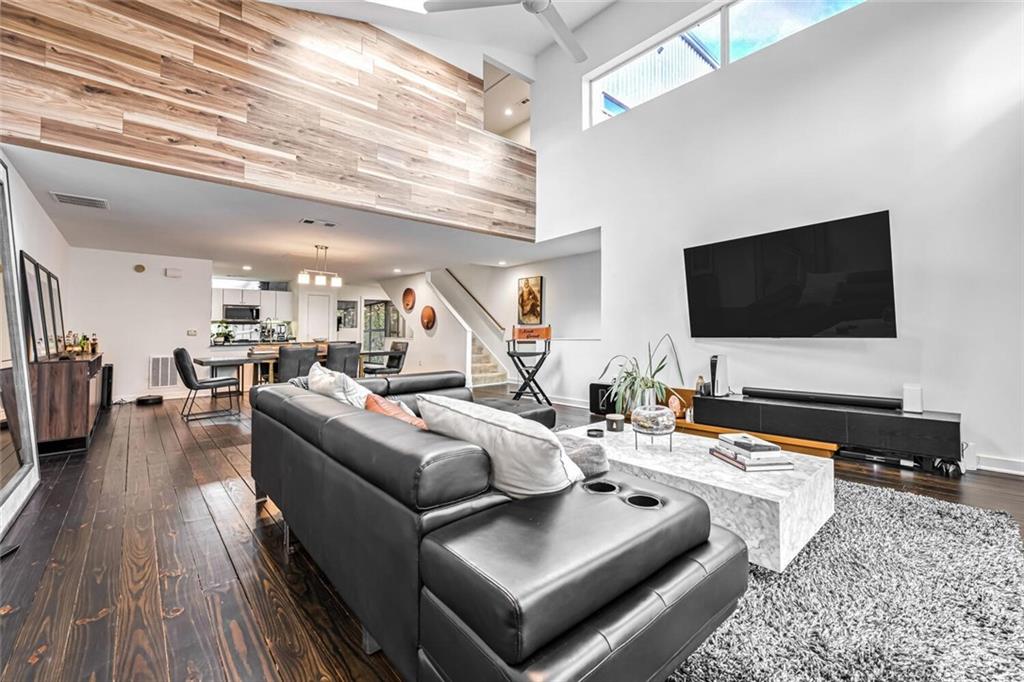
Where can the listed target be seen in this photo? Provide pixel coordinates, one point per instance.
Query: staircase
(487, 371)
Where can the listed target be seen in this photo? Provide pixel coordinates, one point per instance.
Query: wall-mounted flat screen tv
(832, 279)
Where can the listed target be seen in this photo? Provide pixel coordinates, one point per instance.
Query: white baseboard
(1002, 465)
(556, 399)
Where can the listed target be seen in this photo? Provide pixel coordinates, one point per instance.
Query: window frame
(593, 97)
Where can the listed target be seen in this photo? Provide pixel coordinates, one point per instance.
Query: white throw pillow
(337, 385)
(526, 458)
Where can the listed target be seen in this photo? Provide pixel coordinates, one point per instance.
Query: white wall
(34, 232)
(572, 306)
(138, 315)
(446, 346)
(913, 107)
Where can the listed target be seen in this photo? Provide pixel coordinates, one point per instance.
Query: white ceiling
(158, 213)
(510, 28)
(504, 91)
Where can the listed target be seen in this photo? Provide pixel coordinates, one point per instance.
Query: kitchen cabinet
(251, 297)
(268, 305)
(217, 304)
(285, 306)
(232, 297)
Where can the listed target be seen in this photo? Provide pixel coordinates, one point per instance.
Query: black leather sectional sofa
(614, 579)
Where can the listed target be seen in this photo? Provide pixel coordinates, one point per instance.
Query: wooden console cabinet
(66, 397)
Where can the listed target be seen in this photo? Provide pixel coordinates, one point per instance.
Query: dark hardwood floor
(147, 558)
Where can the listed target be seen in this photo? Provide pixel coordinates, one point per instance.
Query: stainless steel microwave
(242, 313)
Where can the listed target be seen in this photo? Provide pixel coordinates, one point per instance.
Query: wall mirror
(19, 460)
(35, 320)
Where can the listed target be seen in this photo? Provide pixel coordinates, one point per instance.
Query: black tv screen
(832, 279)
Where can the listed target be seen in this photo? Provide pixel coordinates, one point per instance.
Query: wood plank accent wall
(263, 97)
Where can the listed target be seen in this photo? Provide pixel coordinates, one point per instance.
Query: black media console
(930, 439)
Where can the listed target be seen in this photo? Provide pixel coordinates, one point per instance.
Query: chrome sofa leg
(370, 645)
(289, 544)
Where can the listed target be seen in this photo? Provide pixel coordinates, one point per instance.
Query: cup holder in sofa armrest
(643, 501)
(601, 487)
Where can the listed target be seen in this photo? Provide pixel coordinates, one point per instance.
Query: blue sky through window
(754, 24)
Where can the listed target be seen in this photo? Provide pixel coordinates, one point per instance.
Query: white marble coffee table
(775, 512)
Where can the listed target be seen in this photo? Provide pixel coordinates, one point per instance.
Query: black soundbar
(830, 398)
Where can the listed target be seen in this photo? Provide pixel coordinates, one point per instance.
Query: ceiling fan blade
(562, 33)
(450, 5)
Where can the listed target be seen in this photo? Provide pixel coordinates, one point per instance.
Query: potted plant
(637, 384)
(224, 334)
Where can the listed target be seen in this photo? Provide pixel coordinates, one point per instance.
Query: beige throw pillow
(526, 458)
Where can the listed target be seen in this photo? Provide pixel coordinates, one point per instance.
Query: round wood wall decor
(428, 318)
(408, 300)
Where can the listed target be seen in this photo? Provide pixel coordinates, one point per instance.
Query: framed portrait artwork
(530, 300)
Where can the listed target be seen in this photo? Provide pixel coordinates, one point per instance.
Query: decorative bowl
(653, 420)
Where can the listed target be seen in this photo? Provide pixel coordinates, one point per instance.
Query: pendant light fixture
(319, 272)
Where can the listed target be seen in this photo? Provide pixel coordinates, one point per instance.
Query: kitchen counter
(246, 344)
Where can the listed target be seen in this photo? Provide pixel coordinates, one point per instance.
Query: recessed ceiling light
(247, 268)
(397, 271)
(501, 262)
(508, 111)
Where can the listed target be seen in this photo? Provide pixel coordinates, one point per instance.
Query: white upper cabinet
(233, 296)
(268, 305)
(217, 304)
(251, 297)
(285, 306)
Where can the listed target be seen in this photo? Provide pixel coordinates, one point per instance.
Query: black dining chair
(394, 364)
(187, 374)
(294, 361)
(343, 356)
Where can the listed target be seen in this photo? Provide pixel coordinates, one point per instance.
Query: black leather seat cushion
(523, 573)
(642, 635)
(418, 468)
(527, 409)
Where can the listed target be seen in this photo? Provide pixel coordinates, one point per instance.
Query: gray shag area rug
(896, 586)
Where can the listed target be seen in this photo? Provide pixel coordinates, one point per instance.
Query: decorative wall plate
(408, 300)
(428, 318)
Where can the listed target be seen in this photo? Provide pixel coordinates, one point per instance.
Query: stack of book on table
(750, 453)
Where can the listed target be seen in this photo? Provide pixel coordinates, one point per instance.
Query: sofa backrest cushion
(426, 382)
(418, 468)
(409, 399)
(526, 458)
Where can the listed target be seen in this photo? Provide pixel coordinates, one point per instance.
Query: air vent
(162, 372)
(318, 221)
(78, 200)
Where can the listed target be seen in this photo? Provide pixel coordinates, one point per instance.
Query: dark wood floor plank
(140, 645)
(243, 651)
(41, 643)
(92, 630)
(191, 638)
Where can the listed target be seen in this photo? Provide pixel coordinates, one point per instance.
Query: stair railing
(493, 320)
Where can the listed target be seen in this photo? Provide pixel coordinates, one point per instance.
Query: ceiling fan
(543, 9)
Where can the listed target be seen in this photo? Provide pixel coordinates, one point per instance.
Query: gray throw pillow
(589, 455)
